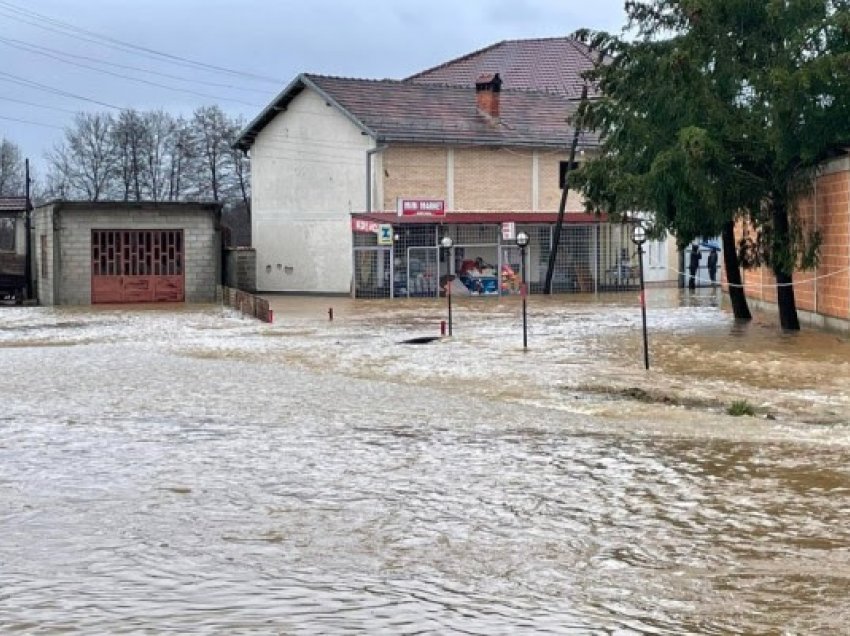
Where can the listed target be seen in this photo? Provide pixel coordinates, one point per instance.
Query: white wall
(308, 173)
(657, 262)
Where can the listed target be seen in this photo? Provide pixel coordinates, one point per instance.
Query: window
(7, 233)
(562, 171)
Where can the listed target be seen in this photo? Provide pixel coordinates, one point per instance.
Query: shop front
(400, 257)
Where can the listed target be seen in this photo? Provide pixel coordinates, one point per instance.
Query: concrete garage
(126, 252)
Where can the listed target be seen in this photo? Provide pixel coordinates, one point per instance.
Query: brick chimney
(487, 90)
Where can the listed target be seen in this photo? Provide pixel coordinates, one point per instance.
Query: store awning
(483, 218)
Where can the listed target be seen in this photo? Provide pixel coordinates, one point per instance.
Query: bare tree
(240, 167)
(11, 169)
(151, 156)
(156, 143)
(212, 131)
(85, 163)
(180, 159)
(128, 135)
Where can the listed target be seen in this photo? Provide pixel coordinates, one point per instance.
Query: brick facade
(475, 178)
(413, 172)
(824, 292)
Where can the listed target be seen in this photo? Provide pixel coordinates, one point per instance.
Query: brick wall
(493, 179)
(414, 173)
(474, 179)
(826, 290)
(550, 187)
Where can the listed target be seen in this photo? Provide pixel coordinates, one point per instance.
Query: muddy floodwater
(187, 470)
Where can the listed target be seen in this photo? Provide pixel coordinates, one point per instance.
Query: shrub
(741, 407)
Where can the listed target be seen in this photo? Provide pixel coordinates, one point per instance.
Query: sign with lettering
(421, 207)
(364, 226)
(385, 234)
(508, 231)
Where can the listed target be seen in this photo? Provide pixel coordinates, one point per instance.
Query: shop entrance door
(423, 272)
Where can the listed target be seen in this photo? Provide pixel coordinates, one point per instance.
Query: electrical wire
(22, 81)
(41, 21)
(36, 105)
(12, 42)
(138, 79)
(30, 122)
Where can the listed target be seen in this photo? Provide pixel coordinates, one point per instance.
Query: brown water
(193, 471)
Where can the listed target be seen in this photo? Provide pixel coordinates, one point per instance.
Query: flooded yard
(188, 470)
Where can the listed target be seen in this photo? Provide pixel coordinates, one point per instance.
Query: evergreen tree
(716, 110)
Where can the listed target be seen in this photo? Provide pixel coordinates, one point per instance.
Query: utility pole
(556, 240)
(28, 226)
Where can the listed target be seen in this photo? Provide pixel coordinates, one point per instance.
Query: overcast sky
(273, 39)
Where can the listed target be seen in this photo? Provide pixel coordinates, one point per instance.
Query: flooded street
(192, 471)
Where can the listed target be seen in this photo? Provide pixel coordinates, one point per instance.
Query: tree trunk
(740, 308)
(788, 319)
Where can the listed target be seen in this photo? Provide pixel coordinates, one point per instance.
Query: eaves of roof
(13, 204)
(280, 103)
(393, 111)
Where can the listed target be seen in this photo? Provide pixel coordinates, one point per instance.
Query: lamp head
(446, 242)
(522, 239)
(638, 234)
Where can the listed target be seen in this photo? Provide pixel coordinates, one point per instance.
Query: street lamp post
(639, 238)
(447, 243)
(522, 242)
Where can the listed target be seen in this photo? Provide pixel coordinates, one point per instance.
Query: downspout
(30, 288)
(369, 153)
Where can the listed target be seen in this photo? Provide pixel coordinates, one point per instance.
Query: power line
(38, 20)
(21, 101)
(15, 79)
(135, 79)
(20, 43)
(30, 122)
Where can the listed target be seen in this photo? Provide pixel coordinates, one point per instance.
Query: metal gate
(137, 266)
(373, 272)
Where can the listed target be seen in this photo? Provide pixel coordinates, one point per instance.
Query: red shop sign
(421, 207)
(363, 226)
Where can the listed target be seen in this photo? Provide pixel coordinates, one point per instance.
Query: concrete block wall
(70, 245)
(240, 268)
(44, 265)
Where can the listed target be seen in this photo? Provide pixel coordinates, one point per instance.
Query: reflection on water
(194, 471)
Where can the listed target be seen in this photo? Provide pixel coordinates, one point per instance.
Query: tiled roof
(548, 64)
(541, 84)
(401, 111)
(13, 204)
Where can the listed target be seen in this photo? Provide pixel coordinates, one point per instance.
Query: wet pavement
(190, 470)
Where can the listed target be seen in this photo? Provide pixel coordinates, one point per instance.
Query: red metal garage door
(137, 266)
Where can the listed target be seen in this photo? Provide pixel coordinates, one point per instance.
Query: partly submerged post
(522, 241)
(639, 238)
